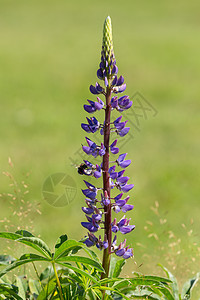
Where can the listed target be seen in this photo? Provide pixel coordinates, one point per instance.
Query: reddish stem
(106, 185)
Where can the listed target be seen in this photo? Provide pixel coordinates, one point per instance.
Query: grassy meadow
(49, 54)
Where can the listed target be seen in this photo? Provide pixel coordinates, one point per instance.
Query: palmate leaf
(7, 291)
(188, 286)
(31, 241)
(80, 259)
(66, 247)
(24, 259)
(37, 244)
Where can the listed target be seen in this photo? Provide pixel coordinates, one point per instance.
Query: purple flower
(91, 192)
(92, 126)
(121, 162)
(114, 149)
(113, 174)
(97, 89)
(123, 251)
(120, 205)
(122, 226)
(105, 200)
(94, 106)
(91, 226)
(93, 149)
(98, 172)
(119, 89)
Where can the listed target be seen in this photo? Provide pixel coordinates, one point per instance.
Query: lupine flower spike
(99, 205)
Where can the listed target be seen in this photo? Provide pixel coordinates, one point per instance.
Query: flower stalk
(99, 212)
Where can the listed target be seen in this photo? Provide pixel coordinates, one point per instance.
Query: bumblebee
(82, 168)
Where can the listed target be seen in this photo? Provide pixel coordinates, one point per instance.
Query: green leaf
(37, 244)
(6, 260)
(47, 290)
(66, 247)
(118, 267)
(61, 240)
(21, 290)
(79, 271)
(81, 259)
(10, 235)
(34, 286)
(17, 263)
(6, 291)
(160, 279)
(31, 241)
(174, 285)
(188, 286)
(24, 233)
(48, 272)
(91, 253)
(113, 290)
(167, 293)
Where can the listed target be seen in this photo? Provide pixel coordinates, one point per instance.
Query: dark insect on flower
(82, 169)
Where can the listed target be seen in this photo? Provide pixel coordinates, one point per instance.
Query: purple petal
(122, 222)
(118, 196)
(89, 194)
(100, 74)
(97, 217)
(89, 108)
(121, 88)
(85, 127)
(114, 150)
(117, 209)
(127, 188)
(87, 210)
(121, 173)
(126, 229)
(106, 81)
(114, 69)
(90, 226)
(125, 163)
(120, 81)
(88, 243)
(97, 174)
(124, 131)
(105, 245)
(127, 207)
(129, 105)
(121, 157)
(120, 252)
(120, 202)
(128, 253)
(93, 90)
(86, 149)
(114, 81)
(123, 180)
(115, 228)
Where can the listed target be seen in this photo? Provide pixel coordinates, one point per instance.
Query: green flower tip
(107, 39)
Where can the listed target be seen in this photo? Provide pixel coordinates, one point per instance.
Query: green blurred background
(49, 54)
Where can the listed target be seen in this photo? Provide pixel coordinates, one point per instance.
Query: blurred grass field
(49, 54)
